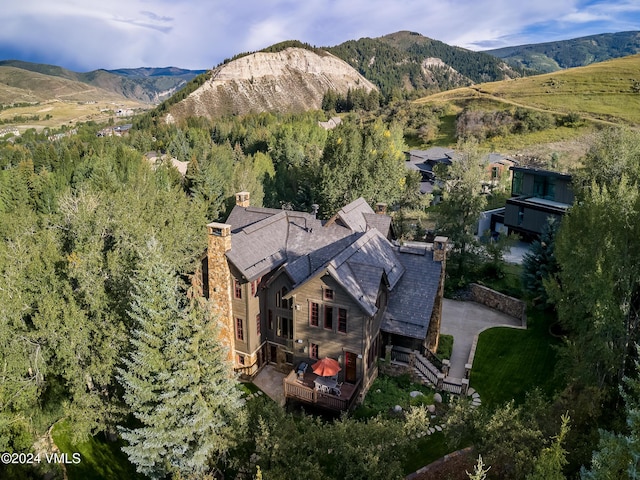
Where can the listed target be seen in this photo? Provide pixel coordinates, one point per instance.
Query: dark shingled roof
(241, 217)
(411, 301)
(351, 247)
(382, 223)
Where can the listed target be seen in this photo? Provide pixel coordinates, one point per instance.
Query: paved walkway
(269, 380)
(464, 320)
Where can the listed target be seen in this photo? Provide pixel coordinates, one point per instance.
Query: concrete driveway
(464, 320)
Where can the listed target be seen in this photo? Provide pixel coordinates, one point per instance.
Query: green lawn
(99, 459)
(509, 282)
(510, 362)
(445, 346)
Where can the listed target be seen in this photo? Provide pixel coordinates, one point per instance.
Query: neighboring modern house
(536, 195)
(290, 289)
(424, 162)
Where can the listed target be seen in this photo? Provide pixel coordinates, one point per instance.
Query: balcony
(303, 390)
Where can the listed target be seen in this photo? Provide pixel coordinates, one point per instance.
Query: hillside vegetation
(149, 85)
(602, 92)
(577, 52)
(407, 60)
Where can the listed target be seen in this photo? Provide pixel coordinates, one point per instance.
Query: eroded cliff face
(292, 80)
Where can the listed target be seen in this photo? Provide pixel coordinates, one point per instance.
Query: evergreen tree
(177, 380)
(553, 458)
(618, 454)
(539, 264)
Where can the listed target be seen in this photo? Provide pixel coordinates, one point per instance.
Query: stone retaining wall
(426, 470)
(499, 301)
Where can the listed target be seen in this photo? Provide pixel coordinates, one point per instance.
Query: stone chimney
(219, 275)
(381, 208)
(314, 209)
(242, 199)
(440, 249)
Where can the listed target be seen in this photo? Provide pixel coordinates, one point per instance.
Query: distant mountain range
(396, 62)
(148, 85)
(578, 52)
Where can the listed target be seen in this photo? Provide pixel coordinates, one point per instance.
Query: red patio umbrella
(326, 367)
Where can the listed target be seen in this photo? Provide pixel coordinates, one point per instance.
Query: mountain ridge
(144, 84)
(576, 52)
(287, 80)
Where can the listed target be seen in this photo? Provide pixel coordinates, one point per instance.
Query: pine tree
(539, 264)
(177, 381)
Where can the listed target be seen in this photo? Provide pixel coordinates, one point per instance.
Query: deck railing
(294, 389)
(433, 374)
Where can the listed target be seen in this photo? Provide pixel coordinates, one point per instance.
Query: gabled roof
(359, 268)
(350, 249)
(352, 215)
(410, 304)
(265, 238)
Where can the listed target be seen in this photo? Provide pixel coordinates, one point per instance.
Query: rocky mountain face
(293, 79)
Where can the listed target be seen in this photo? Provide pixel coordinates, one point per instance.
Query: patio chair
(337, 389)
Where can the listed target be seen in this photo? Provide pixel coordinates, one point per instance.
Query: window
(373, 351)
(342, 320)
(520, 215)
(285, 327)
(328, 294)
(258, 326)
(495, 173)
(285, 303)
(205, 277)
(328, 318)
(313, 351)
(240, 359)
(278, 299)
(237, 288)
(516, 185)
(239, 329)
(270, 320)
(544, 187)
(314, 314)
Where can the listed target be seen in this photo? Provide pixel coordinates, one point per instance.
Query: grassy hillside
(606, 92)
(149, 85)
(36, 100)
(600, 94)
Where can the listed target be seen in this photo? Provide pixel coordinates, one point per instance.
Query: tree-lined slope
(408, 60)
(577, 52)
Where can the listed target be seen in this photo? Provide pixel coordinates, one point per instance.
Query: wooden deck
(303, 390)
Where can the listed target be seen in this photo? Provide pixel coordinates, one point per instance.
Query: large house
(290, 289)
(535, 195)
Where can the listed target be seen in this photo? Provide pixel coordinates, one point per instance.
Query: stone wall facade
(219, 281)
(499, 301)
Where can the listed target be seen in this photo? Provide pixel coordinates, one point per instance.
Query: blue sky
(83, 35)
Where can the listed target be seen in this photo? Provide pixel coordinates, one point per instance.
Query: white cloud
(201, 33)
